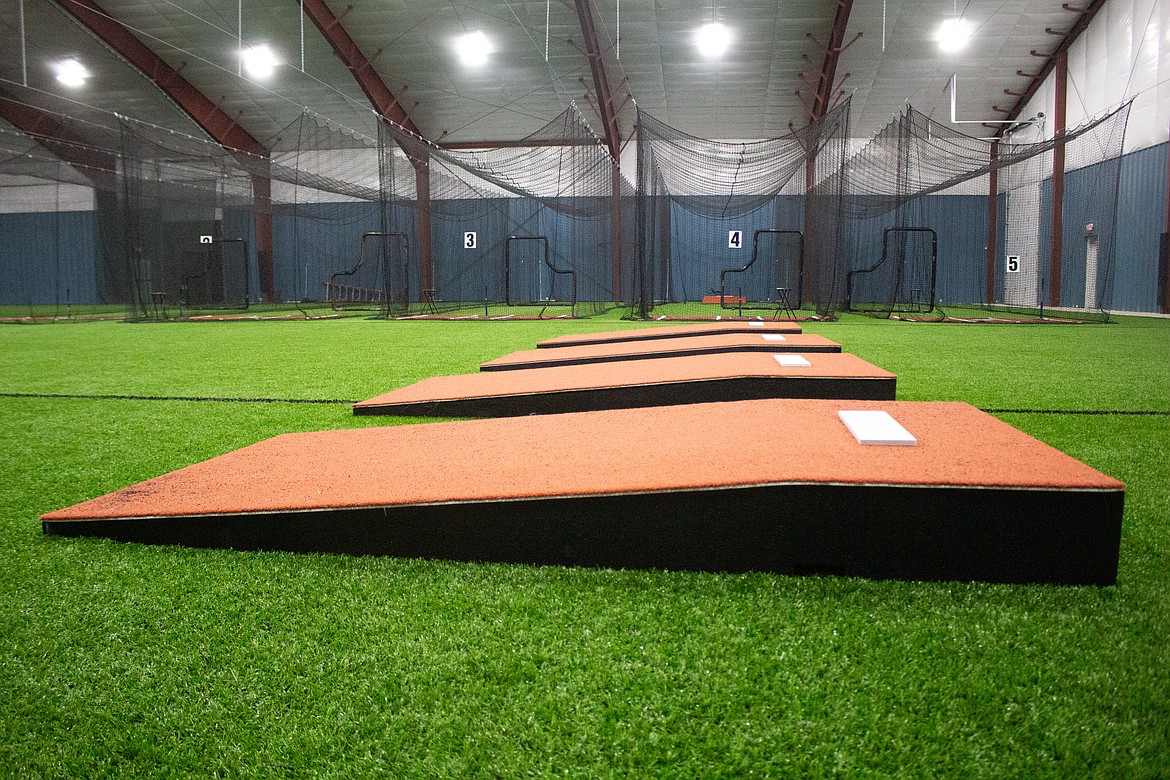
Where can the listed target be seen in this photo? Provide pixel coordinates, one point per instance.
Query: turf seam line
(198, 399)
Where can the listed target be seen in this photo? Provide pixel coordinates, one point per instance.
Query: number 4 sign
(735, 239)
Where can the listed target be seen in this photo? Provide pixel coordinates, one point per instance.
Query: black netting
(935, 218)
(49, 261)
(748, 228)
(327, 217)
(532, 229)
(175, 203)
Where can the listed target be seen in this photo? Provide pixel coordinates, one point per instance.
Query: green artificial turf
(120, 660)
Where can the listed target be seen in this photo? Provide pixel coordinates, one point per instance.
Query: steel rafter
(613, 137)
(605, 108)
(823, 100)
(98, 165)
(387, 106)
(1050, 64)
(216, 122)
(359, 65)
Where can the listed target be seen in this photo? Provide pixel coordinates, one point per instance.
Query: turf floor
(120, 660)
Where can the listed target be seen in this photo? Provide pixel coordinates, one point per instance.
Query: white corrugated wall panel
(1124, 53)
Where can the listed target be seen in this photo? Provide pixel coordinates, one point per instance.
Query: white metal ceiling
(756, 90)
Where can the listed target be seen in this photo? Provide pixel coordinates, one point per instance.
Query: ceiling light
(712, 39)
(71, 73)
(473, 49)
(259, 62)
(953, 35)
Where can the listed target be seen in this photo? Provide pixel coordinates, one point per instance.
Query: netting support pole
(992, 224)
(1060, 82)
(616, 231)
(262, 206)
(811, 225)
(1164, 256)
(422, 185)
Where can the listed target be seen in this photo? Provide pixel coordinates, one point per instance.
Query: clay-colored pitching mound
(630, 384)
(640, 350)
(776, 485)
(672, 332)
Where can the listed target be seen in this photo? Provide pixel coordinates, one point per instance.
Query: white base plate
(876, 427)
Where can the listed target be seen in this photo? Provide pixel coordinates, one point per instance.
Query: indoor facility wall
(48, 258)
(1124, 53)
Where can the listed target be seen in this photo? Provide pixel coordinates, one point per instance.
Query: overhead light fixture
(71, 73)
(259, 62)
(473, 49)
(712, 39)
(953, 35)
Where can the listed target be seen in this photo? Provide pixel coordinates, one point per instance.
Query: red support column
(823, 100)
(992, 224)
(1164, 260)
(616, 231)
(1060, 81)
(388, 106)
(422, 186)
(262, 203)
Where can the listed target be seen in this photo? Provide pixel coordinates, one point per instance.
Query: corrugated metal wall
(48, 258)
(1141, 214)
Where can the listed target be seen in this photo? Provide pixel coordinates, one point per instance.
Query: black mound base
(636, 384)
(670, 332)
(779, 486)
(678, 347)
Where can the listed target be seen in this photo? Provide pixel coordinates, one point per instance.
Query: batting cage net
(47, 268)
(529, 229)
(182, 224)
(148, 223)
(941, 224)
(731, 229)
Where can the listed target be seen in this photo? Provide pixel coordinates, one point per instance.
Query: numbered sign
(206, 240)
(735, 239)
(469, 240)
(1013, 264)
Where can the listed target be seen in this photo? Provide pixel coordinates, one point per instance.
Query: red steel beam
(388, 106)
(359, 65)
(992, 224)
(1060, 76)
(1070, 37)
(216, 122)
(1164, 258)
(97, 165)
(472, 145)
(613, 136)
(824, 97)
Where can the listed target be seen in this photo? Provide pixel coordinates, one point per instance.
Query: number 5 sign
(1013, 264)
